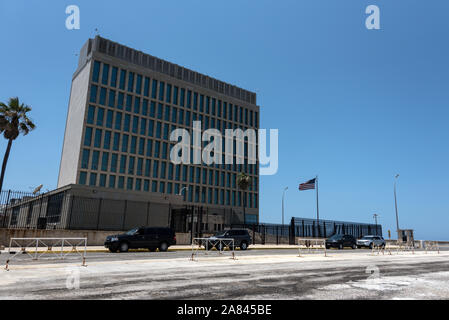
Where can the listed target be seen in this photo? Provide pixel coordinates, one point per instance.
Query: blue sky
(357, 106)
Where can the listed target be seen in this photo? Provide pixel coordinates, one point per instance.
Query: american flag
(307, 185)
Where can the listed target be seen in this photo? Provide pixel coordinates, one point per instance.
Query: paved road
(257, 274)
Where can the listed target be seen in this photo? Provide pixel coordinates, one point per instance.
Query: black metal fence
(9, 199)
(62, 210)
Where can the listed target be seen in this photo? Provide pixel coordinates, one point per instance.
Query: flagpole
(317, 207)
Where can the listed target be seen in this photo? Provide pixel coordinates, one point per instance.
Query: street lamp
(396, 204)
(283, 196)
(375, 218)
(180, 191)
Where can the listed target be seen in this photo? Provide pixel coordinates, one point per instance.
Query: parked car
(144, 237)
(241, 237)
(340, 241)
(370, 242)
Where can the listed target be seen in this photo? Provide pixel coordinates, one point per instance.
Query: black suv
(241, 237)
(143, 237)
(340, 241)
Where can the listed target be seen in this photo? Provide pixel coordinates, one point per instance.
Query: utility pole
(396, 205)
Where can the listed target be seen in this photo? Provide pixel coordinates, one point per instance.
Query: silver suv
(370, 242)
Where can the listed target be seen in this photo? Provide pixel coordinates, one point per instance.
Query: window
(109, 116)
(135, 124)
(100, 116)
(114, 77)
(150, 128)
(82, 178)
(122, 79)
(88, 137)
(120, 101)
(105, 76)
(183, 92)
(90, 115)
(149, 147)
(85, 159)
(130, 81)
(114, 159)
(93, 93)
(125, 143)
(131, 165)
(103, 96)
(168, 94)
(121, 182)
(154, 89)
(133, 144)
(139, 84)
(122, 164)
(161, 90)
(129, 100)
(126, 122)
(111, 101)
(102, 180)
(146, 87)
(141, 146)
(155, 168)
(104, 161)
(96, 71)
(97, 141)
(136, 105)
(107, 140)
(95, 158)
(139, 166)
(189, 99)
(175, 95)
(116, 141)
(111, 181)
(93, 179)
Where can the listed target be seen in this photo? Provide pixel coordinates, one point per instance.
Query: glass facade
(126, 138)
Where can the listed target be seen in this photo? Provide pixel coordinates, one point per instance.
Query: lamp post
(396, 204)
(283, 196)
(375, 218)
(180, 191)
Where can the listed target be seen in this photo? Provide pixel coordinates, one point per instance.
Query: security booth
(406, 236)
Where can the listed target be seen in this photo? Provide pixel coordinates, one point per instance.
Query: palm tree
(243, 181)
(13, 121)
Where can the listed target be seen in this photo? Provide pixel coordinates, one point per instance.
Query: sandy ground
(256, 274)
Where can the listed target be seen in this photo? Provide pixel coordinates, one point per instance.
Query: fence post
(71, 212)
(6, 208)
(254, 234)
(99, 213)
(124, 214)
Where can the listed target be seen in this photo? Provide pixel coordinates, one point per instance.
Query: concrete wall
(94, 238)
(74, 127)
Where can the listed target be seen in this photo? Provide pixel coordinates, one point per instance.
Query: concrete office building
(123, 106)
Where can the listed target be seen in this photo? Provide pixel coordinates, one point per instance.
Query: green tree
(13, 121)
(243, 182)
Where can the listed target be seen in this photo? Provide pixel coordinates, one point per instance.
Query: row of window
(123, 164)
(141, 125)
(165, 92)
(115, 141)
(191, 193)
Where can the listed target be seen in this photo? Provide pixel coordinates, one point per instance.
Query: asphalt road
(256, 274)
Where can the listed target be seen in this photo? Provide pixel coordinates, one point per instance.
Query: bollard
(7, 265)
(84, 262)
